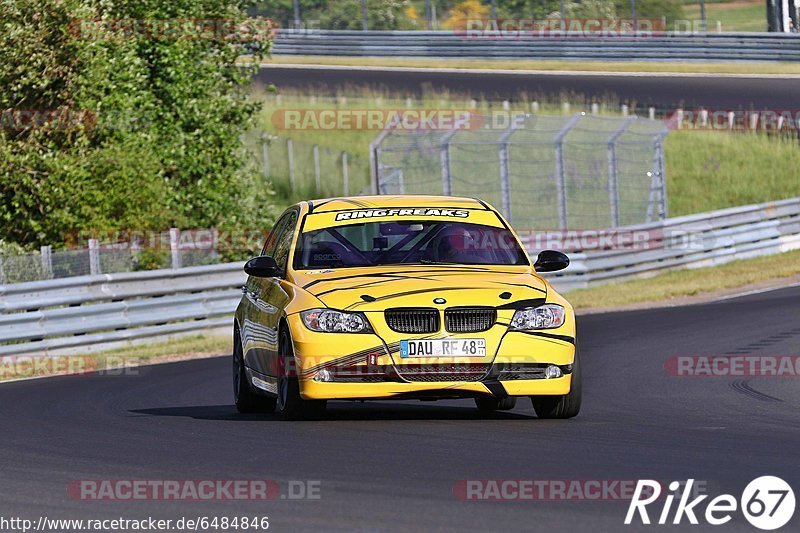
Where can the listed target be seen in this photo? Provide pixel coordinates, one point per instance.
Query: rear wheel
(247, 401)
(566, 406)
(291, 405)
(490, 403)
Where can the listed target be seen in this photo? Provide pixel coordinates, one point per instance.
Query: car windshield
(408, 242)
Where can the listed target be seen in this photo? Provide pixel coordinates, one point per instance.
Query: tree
(114, 118)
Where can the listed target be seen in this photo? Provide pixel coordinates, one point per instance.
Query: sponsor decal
(406, 212)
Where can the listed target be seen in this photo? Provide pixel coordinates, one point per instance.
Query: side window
(284, 241)
(272, 239)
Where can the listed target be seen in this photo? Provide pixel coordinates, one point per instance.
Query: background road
(391, 466)
(663, 92)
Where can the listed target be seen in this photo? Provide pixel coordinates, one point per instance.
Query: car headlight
(330, 321)
(545, 316)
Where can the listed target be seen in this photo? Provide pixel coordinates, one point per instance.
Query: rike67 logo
(767, 503)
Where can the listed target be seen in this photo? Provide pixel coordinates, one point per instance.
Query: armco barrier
(691, 241)
(449, 44)
(45, 316)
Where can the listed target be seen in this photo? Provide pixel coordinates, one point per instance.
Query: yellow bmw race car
(401, 297)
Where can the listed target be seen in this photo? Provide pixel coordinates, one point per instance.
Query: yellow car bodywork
(370, 363)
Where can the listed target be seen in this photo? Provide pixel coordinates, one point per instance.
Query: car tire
(565, 406)
(290, 404)
(490, 403)
(246, 400)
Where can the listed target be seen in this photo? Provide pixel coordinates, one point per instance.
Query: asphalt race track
(391, 466)
(663, 92)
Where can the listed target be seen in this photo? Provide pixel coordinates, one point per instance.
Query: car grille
(413, 320)
(469, 319)
(443, 372)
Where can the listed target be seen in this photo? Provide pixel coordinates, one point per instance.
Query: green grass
(129, 356)
(735, 16)
(701, 67)
(705, 170)
(715, 170)
(680, 283)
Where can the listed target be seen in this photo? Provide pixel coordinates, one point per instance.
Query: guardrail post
(317, 178)
(561, 178)
(2, 272)
(505, 181)
(94, 257)
(290, 156)
(613, 186)
(345, 175)
(444, 160)
(265, 152)
(46, 255)
(174, 246)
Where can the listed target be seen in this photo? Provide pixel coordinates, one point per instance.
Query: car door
(257, 335)
(277, 298)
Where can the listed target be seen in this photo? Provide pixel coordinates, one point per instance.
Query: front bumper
(316, 390)
(362, 366)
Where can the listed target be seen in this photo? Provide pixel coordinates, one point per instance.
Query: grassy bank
(116, 362)
(705, 170)
(695, 282)
(781, 68)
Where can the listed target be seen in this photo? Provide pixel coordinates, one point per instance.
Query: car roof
(405, 200)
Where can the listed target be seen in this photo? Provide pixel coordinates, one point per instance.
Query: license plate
(443, 348)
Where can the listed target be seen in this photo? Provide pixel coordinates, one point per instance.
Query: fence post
(505, 181)
(561, 178)
(317, 178)
(174, 246)
(444, 162)
(345, 176)
(613, 186)
(94, 257)
(2, 272)
(264, 152)
(658, 183)
(662, 174)
(374, 161)
(290, 155)
(46, 255)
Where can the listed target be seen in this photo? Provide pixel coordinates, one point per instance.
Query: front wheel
(291, 405)
(565, 406)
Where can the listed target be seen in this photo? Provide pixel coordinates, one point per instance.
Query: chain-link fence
(579, 171)
(173, 249)
(303, 170)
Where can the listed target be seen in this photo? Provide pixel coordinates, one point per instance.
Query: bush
(132, 132)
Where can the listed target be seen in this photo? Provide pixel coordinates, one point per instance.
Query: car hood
(375, 289)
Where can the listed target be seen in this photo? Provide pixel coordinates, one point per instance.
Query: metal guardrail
(692, 241)
(450, 44)
(43, 317)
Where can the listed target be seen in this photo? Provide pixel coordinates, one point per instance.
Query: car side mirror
(550, 261)
(262, 266)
